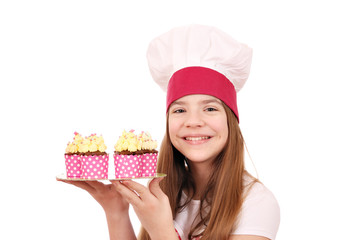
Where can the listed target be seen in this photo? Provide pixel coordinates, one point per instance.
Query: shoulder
(258, 192)
(260, 213)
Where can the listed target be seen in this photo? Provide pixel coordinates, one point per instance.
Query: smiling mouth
(196, 138)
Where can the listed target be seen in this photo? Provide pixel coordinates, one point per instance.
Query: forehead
(197, 98)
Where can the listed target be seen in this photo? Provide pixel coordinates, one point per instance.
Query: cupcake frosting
(73, 147)
(147, 143)
(128, 141)
(90, 144)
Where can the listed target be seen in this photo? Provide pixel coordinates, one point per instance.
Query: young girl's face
(198, 127)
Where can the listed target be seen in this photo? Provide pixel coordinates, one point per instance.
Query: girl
(207, 193)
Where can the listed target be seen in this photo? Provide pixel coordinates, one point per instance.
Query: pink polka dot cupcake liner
(95, 167)
(73, 166)
(127, 166)
(148, 164)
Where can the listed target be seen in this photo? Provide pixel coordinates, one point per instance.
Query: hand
(151, 205)
(116, 207)
(105, 194)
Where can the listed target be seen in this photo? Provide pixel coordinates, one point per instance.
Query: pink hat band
(201, 80)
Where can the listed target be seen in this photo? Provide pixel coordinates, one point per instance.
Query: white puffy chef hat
(198, 59)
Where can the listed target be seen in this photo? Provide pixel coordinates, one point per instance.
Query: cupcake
(73, 157)
(149, 158)
(94, 159)
(127, 155)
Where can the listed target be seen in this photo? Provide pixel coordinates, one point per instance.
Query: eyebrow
(207, 101)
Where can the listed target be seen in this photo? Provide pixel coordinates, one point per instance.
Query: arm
(152, 207)
(115, 207)
(120, 227)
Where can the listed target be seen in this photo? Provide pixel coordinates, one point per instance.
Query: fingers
(136, 194)
(155, 189)
(83, 185)
(96, 185)
(128, 193)
(141, 190)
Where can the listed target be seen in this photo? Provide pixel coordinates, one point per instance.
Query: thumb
(154, 187)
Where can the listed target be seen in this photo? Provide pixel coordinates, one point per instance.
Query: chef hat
(198, 59)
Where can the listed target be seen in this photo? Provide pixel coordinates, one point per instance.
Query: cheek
(226, 130)
(225, 136)
(223, 130)
(173, 130)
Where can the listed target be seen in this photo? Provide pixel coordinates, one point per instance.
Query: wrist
(117, 215)
(119, 226)
(169, 234)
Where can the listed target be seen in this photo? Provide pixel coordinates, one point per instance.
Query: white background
(76, 65)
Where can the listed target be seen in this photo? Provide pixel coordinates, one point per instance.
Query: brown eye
(210, 109)
(179, 111)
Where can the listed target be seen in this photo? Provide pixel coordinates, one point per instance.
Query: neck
(201, 174)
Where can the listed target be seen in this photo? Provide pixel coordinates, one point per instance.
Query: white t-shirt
(260, 214)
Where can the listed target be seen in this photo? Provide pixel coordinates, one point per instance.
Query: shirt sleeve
(260, 214)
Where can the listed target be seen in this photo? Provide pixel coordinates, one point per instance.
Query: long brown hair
(224, 192)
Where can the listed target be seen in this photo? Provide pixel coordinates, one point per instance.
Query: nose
(194, 119)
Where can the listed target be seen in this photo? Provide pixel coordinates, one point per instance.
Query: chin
(194, 158)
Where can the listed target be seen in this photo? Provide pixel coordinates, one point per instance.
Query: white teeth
(196, 138)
